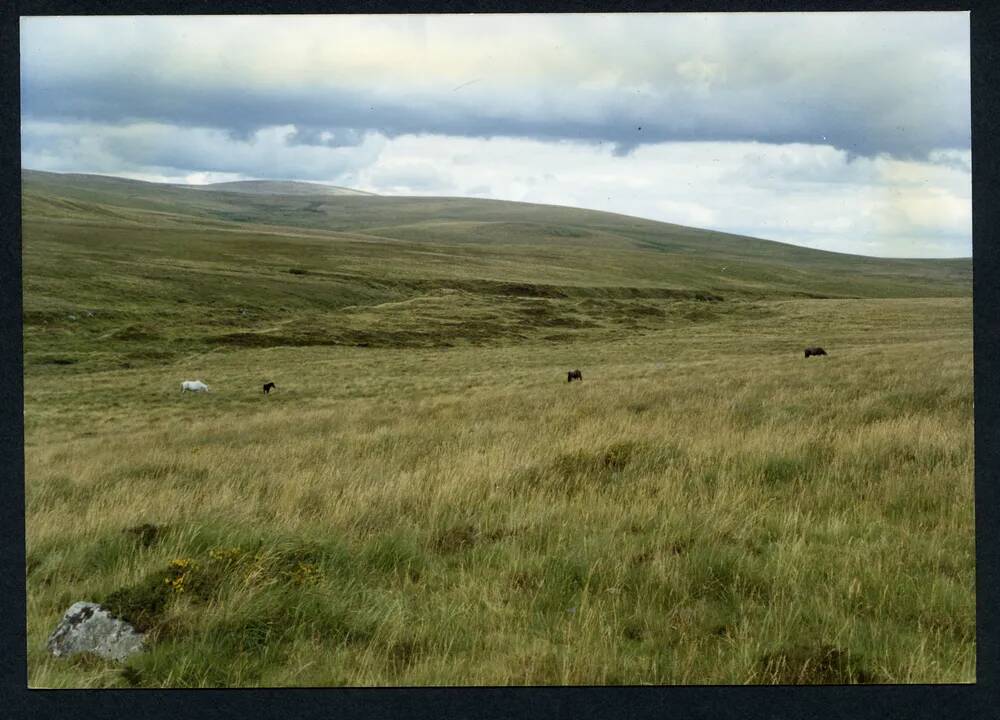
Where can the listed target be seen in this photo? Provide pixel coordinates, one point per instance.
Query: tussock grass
(424, 499)
(687, 514)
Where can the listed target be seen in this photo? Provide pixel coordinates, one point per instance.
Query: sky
(840, 131)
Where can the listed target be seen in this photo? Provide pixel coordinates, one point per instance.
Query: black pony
(817, 351)
(574, 375)
(268, 387)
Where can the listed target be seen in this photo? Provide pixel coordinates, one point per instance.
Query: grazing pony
(194, 386)
(574, 375)
(268, 387)
(817, 351)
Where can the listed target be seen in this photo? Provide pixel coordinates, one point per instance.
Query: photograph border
(980, 699)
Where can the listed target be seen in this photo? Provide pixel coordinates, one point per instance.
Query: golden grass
(706, 507)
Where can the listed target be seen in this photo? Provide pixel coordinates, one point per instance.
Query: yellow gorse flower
(180, 570)
(224, 554)
(304, 573)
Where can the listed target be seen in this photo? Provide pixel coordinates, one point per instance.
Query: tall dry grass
(705, 507)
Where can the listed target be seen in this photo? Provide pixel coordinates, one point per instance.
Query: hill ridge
(401, 239)
(278, 187)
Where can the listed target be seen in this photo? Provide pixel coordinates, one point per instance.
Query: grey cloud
(243, 134)
(169, 150)
(681, 118)
(954, 159)
(326, 137)
(898, 87)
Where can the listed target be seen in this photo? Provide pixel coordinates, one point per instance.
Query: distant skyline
(839, 131)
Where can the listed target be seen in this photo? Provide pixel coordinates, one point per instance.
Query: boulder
(88, 627)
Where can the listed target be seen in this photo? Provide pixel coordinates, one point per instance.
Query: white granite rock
(88, 627)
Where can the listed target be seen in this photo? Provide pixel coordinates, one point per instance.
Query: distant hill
(121, 273)
(458, 242)
(277, 187)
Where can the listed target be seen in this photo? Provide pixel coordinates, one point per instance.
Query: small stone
(88, 627)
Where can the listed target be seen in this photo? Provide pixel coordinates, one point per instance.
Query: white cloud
(814, 195)
(156, 149)
(811, 195)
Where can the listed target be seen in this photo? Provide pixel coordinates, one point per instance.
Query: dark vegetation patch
(644, 310)
(145, 603)
(748, 413)
(254, 635)
(298, 271)
(132, 677)
(43, 317)
(814, 665)
(545, 290)
(563, 580)
(679, 547)
(601, 464)
(456, 538)
(203, 660)
(699, 314)
(249, 634)
(403, 653)
(87, 662)
(723, 574)
(423, 333)
(779, 469)
(634, 630)
(350, 338)
(550, 315)
(641, 558)
(396, 553)
(56, 360)
(525, 580)
(136, 332)
(569, 473)
(567, 231)
(150, 354)
(501, 533)
(799, 464)
(160, 471)
(146, 535)
(714, 577)
(721, 630)
(919, 401)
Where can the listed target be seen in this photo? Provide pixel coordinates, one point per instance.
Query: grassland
(425, 500)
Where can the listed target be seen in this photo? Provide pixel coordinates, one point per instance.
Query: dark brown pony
(817, 351)
(574, 375)
(268, 387)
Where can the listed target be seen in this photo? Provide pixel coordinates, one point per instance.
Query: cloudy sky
(846, 131)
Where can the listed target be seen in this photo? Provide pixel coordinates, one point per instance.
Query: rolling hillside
(670, 255)
(425, 500)
(111, 263)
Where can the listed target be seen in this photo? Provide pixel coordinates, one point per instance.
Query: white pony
(194, 386)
